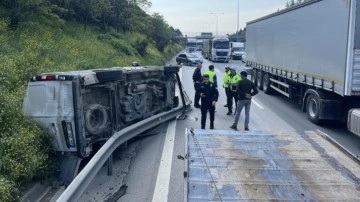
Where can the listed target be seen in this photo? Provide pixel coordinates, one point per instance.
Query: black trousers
(197, 94)
(232, 95)
(227, 92)
(204, 109)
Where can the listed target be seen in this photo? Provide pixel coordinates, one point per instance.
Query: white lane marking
(257, 104)
(161, 190)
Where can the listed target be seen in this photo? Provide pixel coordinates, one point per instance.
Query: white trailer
(310, 51)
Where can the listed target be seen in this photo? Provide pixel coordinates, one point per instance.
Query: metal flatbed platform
(226, 165)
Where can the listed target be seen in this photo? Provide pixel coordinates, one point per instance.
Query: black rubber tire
(96, 118)
(259, 80)
(313, 108)
(253, 75)
(266, 84)
(178, 62)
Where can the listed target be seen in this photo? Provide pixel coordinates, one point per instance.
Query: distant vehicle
(208, 35)
(298, 53)
(199, 44)
(189, 59)
(191, 45)
(217, 49)
(237, 50)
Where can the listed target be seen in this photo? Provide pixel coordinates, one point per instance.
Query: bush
(8, 190)
(25, 152)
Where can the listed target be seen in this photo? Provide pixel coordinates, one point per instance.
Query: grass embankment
(25, 152)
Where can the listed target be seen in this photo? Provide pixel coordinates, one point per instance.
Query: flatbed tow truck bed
(225, 165)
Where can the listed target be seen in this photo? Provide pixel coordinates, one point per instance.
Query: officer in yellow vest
(234, 80)
(226, 82)
(212, 75)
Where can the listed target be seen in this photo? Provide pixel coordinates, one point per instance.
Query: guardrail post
(109, 165)
(181, 91)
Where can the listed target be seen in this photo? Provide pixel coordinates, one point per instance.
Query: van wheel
(266, 84)
(313, 108)
(259, 80)
(96, 119)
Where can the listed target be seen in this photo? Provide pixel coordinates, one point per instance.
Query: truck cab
(220, 50)
(237, 50)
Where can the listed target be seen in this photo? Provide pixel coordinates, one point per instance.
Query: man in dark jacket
(209, 96)
(197, 81)
(245, 90)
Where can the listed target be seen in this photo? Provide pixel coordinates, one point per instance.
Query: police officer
(197, 81)
(234, 80)
(209, 96)
(212, 75)
(226, 82)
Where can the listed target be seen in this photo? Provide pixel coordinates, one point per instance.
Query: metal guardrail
(75, 190)
(77, 187)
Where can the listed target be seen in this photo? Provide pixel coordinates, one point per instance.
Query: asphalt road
(153, 172)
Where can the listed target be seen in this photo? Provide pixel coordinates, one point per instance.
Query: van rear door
(51, 104)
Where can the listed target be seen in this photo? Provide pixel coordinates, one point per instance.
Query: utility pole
(237, 29)
(217, 15)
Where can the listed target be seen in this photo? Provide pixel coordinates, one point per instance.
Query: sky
(194, 16)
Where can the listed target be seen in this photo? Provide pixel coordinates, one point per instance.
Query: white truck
(199, 44)
(217, 49)
(237, 50)
(310, 52)
(191, 45)
(82, 109)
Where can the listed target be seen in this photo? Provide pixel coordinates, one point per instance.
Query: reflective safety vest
(234, 80)
(226, 79)
(211, 75)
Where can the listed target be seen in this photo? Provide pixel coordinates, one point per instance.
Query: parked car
(189, 59)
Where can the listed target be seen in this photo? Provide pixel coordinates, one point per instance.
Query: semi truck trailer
(312, 52)
(217, 49)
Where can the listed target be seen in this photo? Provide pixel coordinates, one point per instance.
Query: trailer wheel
(253, 75)
(259, 80)
(266, 83)
(96, 118)
(313, 108)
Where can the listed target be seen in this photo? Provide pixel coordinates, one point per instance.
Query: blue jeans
(240, 105)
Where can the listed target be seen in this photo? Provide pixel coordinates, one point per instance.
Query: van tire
(96, 118)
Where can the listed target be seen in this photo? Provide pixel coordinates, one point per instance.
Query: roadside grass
(25, 149)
